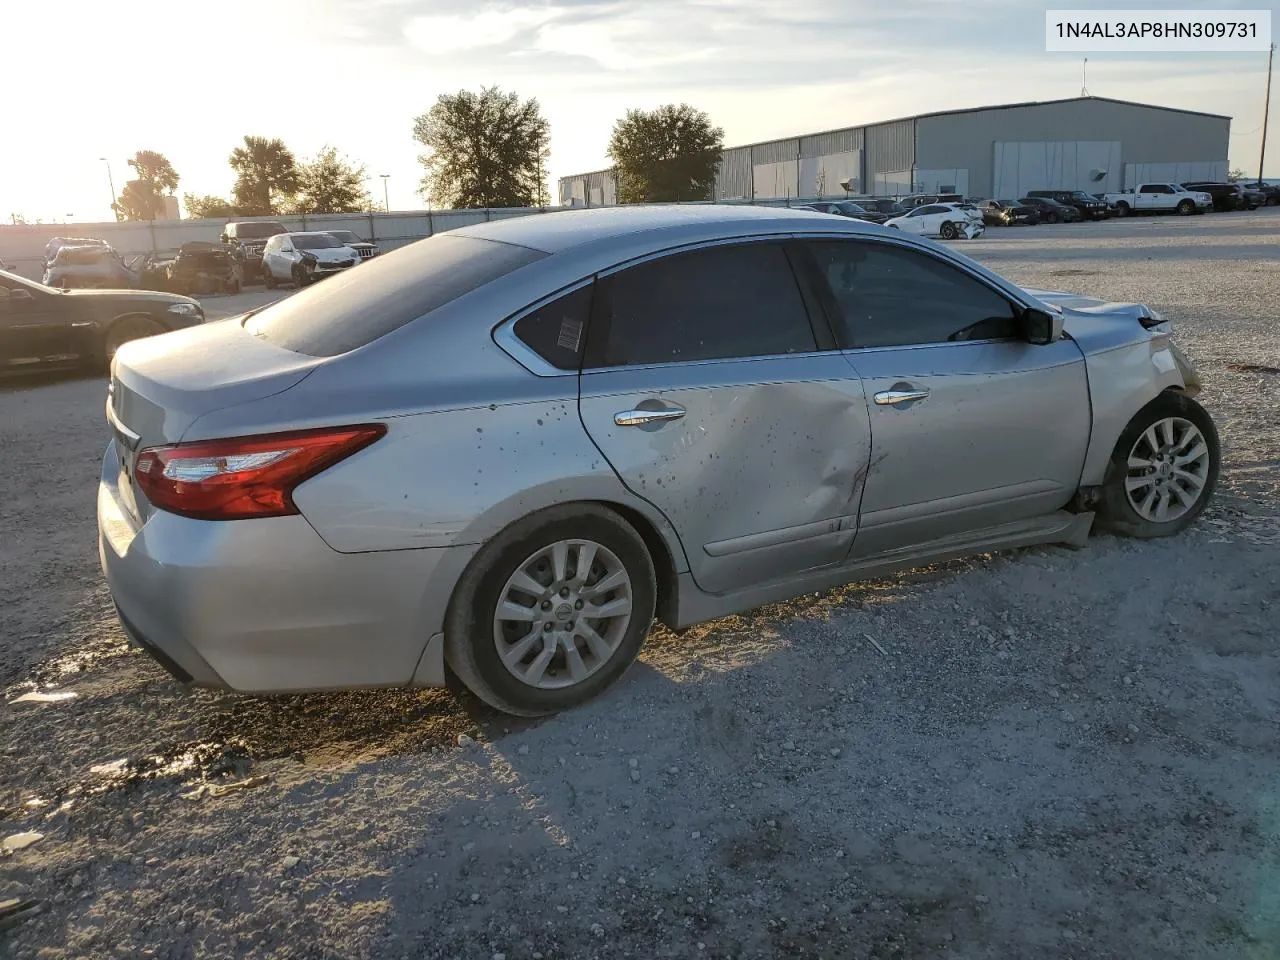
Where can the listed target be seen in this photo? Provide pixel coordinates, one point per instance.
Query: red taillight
(242, 477)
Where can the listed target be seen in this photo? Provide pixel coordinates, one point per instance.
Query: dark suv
(1089, 206)
(249, 237)
(203, 267)
(1226, 196)
(1051, 211)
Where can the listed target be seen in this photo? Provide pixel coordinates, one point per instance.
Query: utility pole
(1266, 112)
(112, 184)
(386, 202)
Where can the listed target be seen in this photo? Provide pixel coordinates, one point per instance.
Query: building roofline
(948, 113)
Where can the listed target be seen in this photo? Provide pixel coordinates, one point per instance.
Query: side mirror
(1041, 328)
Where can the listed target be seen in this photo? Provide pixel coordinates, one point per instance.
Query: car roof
(562, 230)
(304, 233)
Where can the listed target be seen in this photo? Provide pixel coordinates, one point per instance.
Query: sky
(90, 79)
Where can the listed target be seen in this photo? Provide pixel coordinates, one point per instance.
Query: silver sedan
(508, 448)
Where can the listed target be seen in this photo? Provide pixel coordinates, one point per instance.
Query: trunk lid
(161, 385)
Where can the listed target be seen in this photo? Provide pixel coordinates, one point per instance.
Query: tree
(143, 198)
(668, 154)
(207, 207)
(487, 149)
(330, 184)
(1236, 175)
(266, 173)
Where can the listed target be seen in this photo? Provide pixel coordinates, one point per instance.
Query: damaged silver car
(508, 448)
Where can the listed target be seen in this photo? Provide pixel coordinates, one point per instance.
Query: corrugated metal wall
(890, 147)
(836, 141)
(733, 180)
(1147, 134)
(1089, 165)
(1136, 174)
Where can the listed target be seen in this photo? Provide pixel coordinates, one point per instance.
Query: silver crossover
(510, 447)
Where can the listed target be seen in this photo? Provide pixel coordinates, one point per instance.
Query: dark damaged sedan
(41, 326)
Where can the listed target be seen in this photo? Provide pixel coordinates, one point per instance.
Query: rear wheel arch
(468, 631)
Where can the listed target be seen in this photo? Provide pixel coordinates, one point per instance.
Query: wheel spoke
(1186, 497)
(1137, 463)
(1195, 453)
(612, 582)
(597, 644)
(1191, 479)
(1166, 432)
(1137, 483)
(1147, 501)
(516, 652)
(577, 669)
(614, 608)
(582, 565)
(1153, 442)
(1162, 506)
(559, 561)
(514, 611)
(538, 669)
(520, 580)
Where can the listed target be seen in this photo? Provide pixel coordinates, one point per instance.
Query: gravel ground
(1047, 753)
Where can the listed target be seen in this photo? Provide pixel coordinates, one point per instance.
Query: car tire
(1186, 208)
(1168, 453)
(526, 553)
(299, 277)
(948, 231)
(1123, 209)
(233, 286)
(124, 329)
(269, 278)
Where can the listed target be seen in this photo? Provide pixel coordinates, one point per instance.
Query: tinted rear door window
(717, 303)
(555, 331)
(359, 306)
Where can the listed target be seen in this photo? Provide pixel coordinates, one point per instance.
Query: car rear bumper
(266, 606)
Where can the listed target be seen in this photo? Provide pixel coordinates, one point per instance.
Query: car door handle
(887, 398)
(636, 418)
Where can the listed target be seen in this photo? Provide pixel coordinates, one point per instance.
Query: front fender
(1122, 381)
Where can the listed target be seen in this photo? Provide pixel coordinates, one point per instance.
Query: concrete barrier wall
(22, 247)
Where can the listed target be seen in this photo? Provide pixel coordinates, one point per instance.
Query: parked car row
(201, 267)
(947, 215)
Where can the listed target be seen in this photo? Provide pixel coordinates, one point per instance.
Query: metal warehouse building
(1083, 143)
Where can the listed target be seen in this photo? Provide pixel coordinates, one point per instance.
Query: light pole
(112, 184)
(1266, 114)
(386, 202)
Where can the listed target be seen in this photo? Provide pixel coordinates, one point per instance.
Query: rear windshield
(359, 306)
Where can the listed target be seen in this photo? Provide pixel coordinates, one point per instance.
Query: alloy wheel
(563, 614)
(1168, 468)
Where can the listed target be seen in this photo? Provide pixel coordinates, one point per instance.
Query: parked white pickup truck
(1159, 198)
